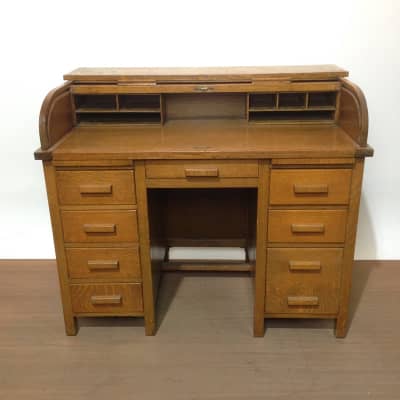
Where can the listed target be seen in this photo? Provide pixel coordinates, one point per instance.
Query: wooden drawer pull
(95, 265)
(202, 88)
(112, 299)
(304, 265)
(99, 228)
(95, 189)
(310, 189)
(308, 228)
(201, 172)
(303, 301)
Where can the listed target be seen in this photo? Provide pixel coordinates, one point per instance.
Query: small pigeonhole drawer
(96, 187)
(310, 186)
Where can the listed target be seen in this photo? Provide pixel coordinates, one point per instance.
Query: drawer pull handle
(95, 265)
(112, 299)
(304, 265)
(202, 88)
(95, 189)
(310, 189)
(308, 228)
(201, 172)
(99, 228)
(303, 301)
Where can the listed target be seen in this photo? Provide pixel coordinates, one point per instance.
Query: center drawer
(99, 226)
(202, 169)
(96, 187)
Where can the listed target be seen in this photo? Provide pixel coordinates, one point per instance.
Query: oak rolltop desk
(268, 159)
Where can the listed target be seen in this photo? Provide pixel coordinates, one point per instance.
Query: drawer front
(307, 226)
(109, 263)
(202, 169)
(96, 187)
(303, 280)
(107, 299)
(99, 226)
(310, 186)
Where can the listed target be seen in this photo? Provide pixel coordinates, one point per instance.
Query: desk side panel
(353, 112)
(56, 119)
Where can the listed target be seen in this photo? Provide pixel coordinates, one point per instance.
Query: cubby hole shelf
(118, 108)
(281, 107)
(322, 99)
(95, 103)
(139, 103)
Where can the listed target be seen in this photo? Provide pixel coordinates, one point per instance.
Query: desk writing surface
(204, 139)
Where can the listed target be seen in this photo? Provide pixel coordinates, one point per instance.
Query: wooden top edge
(206, 73)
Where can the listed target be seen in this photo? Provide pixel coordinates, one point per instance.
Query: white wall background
(42, 40)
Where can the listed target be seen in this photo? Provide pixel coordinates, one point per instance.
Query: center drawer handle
(202, 88)
(310, 189)
(99, 228)
(111, 299)
(304, 265)
(95, 265)
(303, 300)
(95, 189)
(308, 228)
(201, 172)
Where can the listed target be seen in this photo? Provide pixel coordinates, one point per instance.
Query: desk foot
(71, 326)
(341, 327)
(259, 327)
(149, 327)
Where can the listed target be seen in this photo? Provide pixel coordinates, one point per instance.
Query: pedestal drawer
(303, 280)
(99, 226)
(307, 226)
(103, 263)
(96, 187)
(310, 186)
(111, 299)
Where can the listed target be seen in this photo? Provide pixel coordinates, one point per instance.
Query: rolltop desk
(269, 159)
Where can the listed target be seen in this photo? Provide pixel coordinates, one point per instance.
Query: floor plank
(204, 347)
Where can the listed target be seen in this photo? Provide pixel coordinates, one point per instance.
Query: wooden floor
(204, 348)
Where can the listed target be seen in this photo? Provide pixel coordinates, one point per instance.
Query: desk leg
(261, 248)
(144, 240)
(348, 253)
(69, 319)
